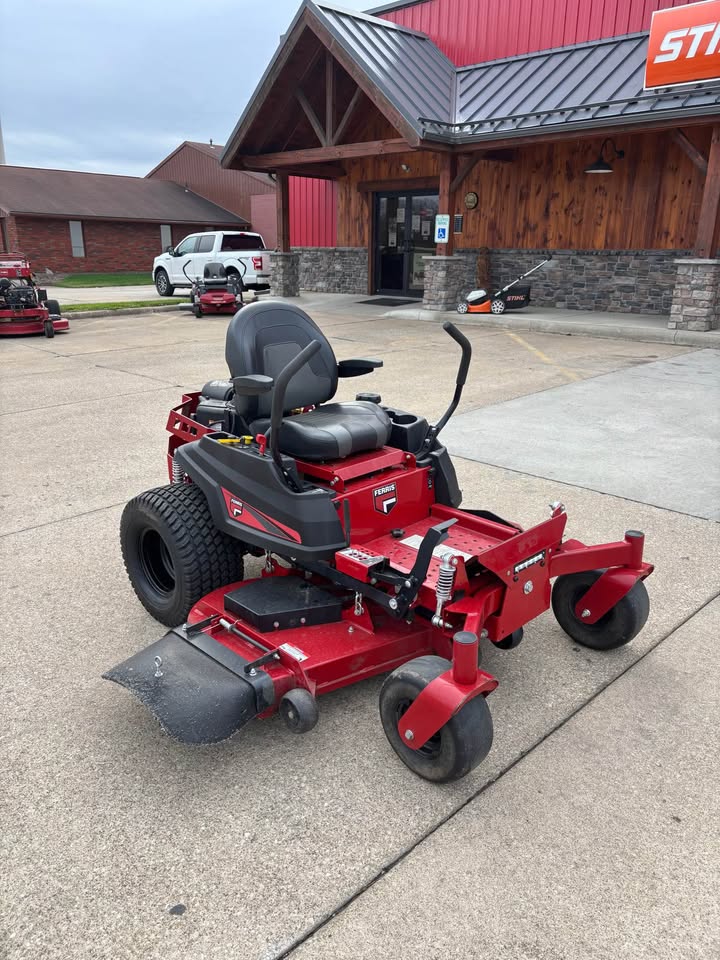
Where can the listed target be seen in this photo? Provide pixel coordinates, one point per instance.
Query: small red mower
(24, 307)
(370, 565)
(216, 292)
(511, 297)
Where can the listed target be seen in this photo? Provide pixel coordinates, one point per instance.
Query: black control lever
(462, 373)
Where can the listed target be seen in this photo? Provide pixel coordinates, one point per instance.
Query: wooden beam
(349, 110)
(446, 201)
(685, 144)
(282, 197)
(280, 116)
(329, 97)
(406, 183)
(312, 116)
(319, 171)
(464, 170)
(341, 151)
(709, 220)
(374, 92)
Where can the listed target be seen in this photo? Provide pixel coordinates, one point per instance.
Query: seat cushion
(333, 431)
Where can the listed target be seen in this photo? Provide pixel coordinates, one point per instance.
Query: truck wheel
(617, 627)
(456, 748)
(162, 284)
(497, 306)
(173, 552)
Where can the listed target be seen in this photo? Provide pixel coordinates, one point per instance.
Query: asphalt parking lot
(589, 832)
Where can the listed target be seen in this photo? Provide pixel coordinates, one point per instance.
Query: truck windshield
(237, 241)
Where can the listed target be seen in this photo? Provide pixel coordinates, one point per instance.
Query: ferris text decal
(684, 45)
(234, 506)
(385, 498)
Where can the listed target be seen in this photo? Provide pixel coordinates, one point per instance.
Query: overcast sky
(114, 85)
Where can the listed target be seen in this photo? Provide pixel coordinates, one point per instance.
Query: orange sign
(684, 45)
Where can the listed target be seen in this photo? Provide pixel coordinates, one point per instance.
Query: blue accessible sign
(442, 227)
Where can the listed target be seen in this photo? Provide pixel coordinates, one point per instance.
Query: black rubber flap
(195, 698)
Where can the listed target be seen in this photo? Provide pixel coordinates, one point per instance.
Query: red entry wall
(313, 212)
(472, 31)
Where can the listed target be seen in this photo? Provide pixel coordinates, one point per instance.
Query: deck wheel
(617, 627)
(456, 748)
(512, 640)
(299, 710)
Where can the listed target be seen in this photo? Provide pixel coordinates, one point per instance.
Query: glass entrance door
(404, 234)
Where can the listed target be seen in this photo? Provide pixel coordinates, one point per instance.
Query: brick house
(73, 222)
(247, 194)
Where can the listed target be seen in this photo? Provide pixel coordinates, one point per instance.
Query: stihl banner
(684, 45)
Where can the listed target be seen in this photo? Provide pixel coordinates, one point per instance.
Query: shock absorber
(178, 474)
(444, 586)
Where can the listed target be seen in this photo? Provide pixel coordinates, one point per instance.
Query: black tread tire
(512, 640)
(52, 307)
(202, 557)
(458, 747)
(167, 288)
(299, 710)
(197, 310)
(48, 329)
(617, 627)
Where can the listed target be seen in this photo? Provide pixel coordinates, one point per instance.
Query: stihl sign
(684, 45)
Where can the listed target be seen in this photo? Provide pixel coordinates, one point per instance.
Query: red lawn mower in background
(370, 565)
(24, 307)
(216, 292)
(514, 296)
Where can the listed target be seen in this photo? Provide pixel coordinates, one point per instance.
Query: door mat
(389, 302)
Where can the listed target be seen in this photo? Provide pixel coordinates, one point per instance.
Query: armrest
(253, 385)
(356, 368)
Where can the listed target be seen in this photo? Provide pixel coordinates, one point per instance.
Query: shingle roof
(407, 67)
(589, 84)
(70, 193)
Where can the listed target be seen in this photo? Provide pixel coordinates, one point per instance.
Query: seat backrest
(214, 271)
(263, 338)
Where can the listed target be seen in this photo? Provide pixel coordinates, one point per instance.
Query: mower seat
(261, 339)
(214, 275)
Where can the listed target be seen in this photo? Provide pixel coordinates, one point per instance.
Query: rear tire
(173, 552)
(53, 308)
(617, 627)
(162, 284)
(497, 306)
(456, 748)
(462, 307)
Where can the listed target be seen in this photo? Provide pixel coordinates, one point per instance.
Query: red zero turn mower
(216, 292)
(24, 307)
(511, 297)
(370, 565)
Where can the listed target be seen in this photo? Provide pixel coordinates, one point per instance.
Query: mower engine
(19, 297)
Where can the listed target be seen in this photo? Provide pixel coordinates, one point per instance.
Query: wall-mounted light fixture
(405, 167)
(601, 165)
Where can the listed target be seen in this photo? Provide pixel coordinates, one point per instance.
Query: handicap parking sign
(442, 226)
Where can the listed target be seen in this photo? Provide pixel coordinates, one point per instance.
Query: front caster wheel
(197, 310)
(617, 627)
(299, 710)
(49, 329)
(456, 748)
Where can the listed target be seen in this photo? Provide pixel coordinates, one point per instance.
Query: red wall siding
(313, 212)
(471, 31)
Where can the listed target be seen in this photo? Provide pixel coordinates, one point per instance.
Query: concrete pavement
(73, 295)
(120, 843)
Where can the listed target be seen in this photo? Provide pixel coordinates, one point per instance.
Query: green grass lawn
(105, 280)
(165, 302)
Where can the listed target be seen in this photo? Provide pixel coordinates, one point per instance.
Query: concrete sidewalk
(120, 844)
(67, 296)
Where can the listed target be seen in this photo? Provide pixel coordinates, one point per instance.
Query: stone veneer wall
(696, 301)
(623, 281)
(284, 274)
(333, 269)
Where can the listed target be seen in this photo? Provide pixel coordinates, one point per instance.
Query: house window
(165, 236)
(206, 243)
(76, 238)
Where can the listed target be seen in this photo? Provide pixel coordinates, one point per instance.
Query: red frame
(506, 586)
(16, 266)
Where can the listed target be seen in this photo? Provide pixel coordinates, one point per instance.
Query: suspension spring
(178, 474)
(444, 586)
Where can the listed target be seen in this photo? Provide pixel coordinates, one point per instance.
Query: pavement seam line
(72, 403)
(404, 854)
(74, 516)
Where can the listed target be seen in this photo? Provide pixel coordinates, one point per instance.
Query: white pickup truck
(240, 252)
